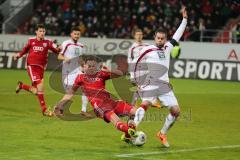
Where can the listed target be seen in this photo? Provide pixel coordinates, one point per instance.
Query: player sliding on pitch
(156, 82)
(92, 84)
(36, 63)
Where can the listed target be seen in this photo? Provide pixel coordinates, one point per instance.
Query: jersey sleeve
(168, 47)
(130, 64)
(53, 47)
(129, 55)
(63, 46)
(105, 75)
(25, 49)
(77, 82)
(178, 34)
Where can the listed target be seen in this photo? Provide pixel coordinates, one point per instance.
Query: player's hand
(67, 60)
(105, 68)
(59, 48)
(15, 56)
(184, 12)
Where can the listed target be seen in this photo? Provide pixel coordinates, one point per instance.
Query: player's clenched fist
(184, 12)
(15, 56)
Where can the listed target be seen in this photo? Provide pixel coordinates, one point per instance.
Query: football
(140, 139)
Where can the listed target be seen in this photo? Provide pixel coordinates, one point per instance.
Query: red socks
(40, 96)
(144, 106)
(25, 87)
(122, 127)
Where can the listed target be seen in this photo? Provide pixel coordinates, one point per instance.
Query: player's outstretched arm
(112, 71)
(61, 57)
(23, 52)
(66, 98)
(54, 47)
(178, 34)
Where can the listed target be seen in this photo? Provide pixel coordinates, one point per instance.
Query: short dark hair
(160, 31)
(136, 30)
(75, 29)
(38, 26)
(89, 58)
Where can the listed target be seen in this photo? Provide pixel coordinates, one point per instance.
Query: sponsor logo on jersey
(37, 48)
(161, 54)
(92, 79)
(44, 44)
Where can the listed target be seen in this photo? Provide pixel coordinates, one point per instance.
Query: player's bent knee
(175, 111)
(133, 111)
(34, 90)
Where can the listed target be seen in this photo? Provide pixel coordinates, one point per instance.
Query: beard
(160, 45)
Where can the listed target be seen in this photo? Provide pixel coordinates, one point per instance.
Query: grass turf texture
(210, 117)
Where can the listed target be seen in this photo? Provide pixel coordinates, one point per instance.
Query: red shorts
(122, 109)
(105, 105)
(35, 73)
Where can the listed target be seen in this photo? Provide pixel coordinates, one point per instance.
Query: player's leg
(38, 73)
(140, 112)
(84, 103)
(147, 97)
(58, 109)
(21, 85)
(40, 96)
(125, 109)
(135, 98)
(170, 101)
(170, 119)
(119, 124)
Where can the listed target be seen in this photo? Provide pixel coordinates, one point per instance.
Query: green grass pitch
(209, 127)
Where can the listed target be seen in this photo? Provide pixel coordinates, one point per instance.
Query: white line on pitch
(177, 151)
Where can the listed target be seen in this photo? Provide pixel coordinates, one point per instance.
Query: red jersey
(93, 87)
(38, 51)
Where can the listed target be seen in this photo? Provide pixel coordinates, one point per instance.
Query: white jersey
(153, 63)
(133, 55)
(71, 50)
(152, 66)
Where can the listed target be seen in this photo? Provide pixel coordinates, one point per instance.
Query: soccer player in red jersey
(36, 61)
(92, 83)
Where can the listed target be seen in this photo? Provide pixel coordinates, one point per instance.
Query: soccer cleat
(132, 132)
(128, 140)
(48, 113)
(87, 115)
(156, 104)
(18, 88)
(58, 111)
(163, 139)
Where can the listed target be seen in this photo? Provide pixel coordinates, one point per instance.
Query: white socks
(139, 115)
(170, 119)
(84, 103)
(135, 98)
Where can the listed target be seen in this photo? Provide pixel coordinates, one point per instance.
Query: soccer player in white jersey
(70, 55)
(133, 55)
(154, 81)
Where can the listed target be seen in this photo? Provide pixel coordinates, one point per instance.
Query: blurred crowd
(118, 18)
(1, 21)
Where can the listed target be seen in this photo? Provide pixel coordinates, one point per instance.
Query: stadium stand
(117, 18)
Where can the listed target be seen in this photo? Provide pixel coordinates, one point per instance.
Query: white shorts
(165, 95)
(167, 100)
(69, 79)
